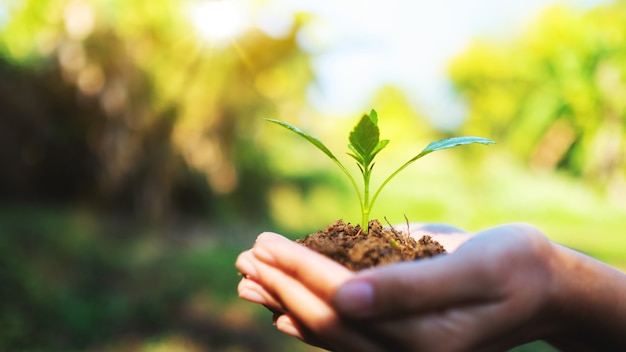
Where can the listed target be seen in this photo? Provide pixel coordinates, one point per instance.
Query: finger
(417, 287)
(288, 325)
(312, 312)
(248, 288)
(302, 264)
(242, 264)
(251, 291)
(292, 295)
(305, 267)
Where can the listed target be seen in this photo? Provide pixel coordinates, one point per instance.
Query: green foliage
(554, 94)
(72, 281)
(365, 141)
(151, 104)
(365, 144)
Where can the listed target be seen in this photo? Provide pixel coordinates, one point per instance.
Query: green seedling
(364, 145)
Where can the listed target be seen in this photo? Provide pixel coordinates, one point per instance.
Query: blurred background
(135, 163)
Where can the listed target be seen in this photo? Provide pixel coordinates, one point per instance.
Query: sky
(360, 45)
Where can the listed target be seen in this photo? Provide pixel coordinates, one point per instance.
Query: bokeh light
(219, 22)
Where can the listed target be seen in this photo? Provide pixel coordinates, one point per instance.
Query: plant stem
(366, 205)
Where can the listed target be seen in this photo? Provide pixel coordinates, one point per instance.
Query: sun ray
(219, 22)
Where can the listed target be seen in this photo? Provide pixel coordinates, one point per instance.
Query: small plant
(364, 145)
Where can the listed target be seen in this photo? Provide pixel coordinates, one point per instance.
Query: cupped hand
(490, 294)
(449, 236)
(294, 281)
(298, 284)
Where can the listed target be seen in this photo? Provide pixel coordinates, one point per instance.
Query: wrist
(587, 302)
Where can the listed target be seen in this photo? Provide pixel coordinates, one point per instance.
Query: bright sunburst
(219, 22)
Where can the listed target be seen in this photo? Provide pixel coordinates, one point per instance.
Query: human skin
(502, 287)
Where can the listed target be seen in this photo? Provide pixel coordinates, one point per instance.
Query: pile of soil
(357, 250)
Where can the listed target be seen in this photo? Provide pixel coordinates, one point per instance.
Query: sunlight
(219, 22)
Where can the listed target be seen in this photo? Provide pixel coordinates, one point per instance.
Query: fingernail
(355, 298)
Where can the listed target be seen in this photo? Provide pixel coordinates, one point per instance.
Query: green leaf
(355, 155)
(316, 142)
(374, 116)
(364, 139)
(452, 142)
(382, 144)
(432, 147)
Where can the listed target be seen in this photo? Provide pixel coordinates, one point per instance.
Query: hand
(277, 273)
(505, 286)
(253, 262)
(490, 295)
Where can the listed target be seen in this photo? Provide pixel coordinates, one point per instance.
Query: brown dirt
(357, 250)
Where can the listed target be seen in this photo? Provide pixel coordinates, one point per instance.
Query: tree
(161, 116)
(554, 95)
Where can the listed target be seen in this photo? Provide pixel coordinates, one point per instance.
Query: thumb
(408, 288)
